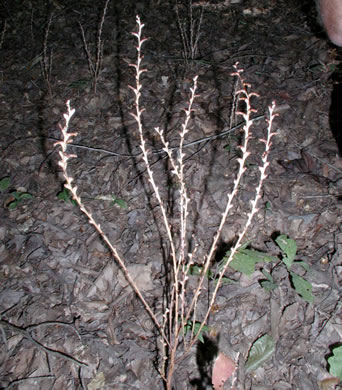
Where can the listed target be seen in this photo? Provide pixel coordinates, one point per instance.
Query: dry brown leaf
(223, 369)
(328, 383)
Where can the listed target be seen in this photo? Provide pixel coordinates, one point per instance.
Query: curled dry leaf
(328, 383)
(223, 369)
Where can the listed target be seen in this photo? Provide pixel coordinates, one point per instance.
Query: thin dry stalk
(3, 32)
(95, 64)
(46, 61)
(190, 31)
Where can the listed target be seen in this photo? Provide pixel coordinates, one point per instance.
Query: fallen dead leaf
(223, 369)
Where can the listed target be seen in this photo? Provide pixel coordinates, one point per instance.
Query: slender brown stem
(95, 64)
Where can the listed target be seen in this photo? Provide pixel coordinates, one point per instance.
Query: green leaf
(225, 281)
(259, 256)
(244, 260)
(243, 263)
(268, 284)
(35, 61)
(16, 195)
(302, 287)
(196, 270)
(200, 337)
(120, 202)
(25, 195)
(261, 351)
(303, 264)
(289, 247)
(335, 362)
(189, 326)
(268, 205)
(81, 83)
(13, 205)
(4, 183)
(65, 196)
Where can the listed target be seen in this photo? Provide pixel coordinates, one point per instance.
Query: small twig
(95, 65)
(223, 133)
(89, 58)
(40, 346)
(22, 380)
(3, 31)
(50, 323)
(46, 62)
(323, 162)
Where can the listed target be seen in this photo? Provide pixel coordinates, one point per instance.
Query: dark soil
(61, 290)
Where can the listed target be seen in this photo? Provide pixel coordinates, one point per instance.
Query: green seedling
(302, 287)
(268, 284)
(268, 206)
(114, 200)
(245, 261)
(119, 202)
(18, 197)
(196, 270)
(193, 328)
(289, 249)
(4, 183)
(66, 196)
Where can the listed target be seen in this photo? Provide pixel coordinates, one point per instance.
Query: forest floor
(68, 319)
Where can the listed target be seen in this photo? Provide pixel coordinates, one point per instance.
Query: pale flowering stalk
(175, 312)
(246, 97)
(63, 163)
(178, 312)
(169, 348)
(182, 265)
(177, 315)
(138, 117)
(231, 195)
